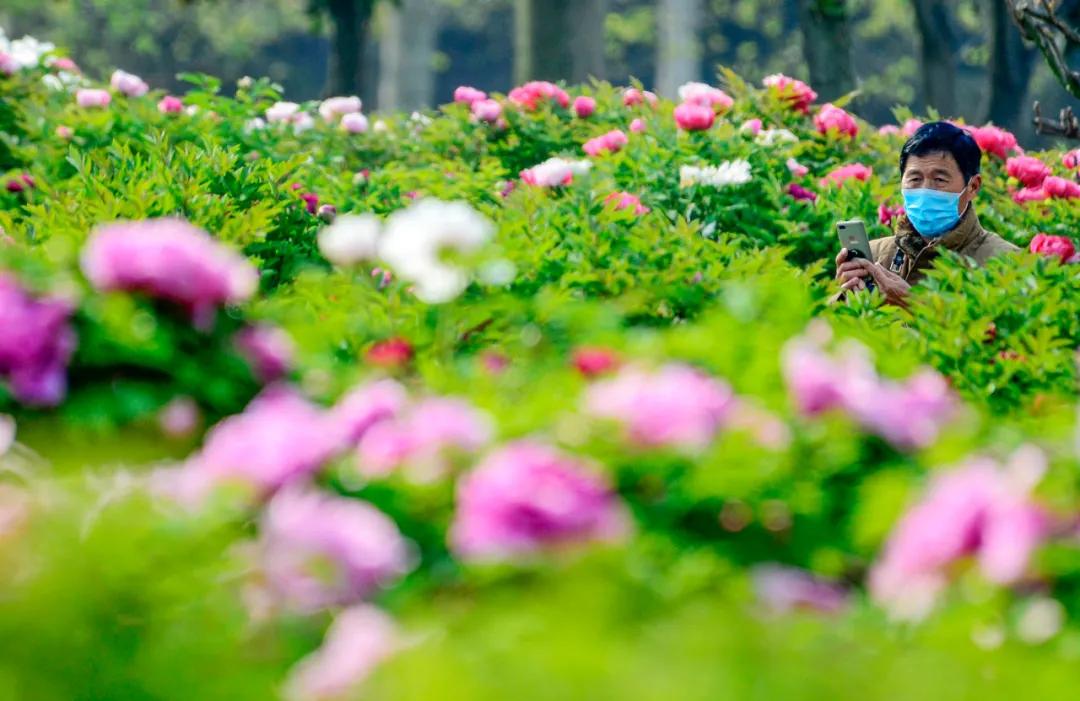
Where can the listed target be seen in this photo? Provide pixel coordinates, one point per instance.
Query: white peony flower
(282, 112)
(332, 108)
(350, 239)
(726, 174)
(415, 238)
(555, 171)
(28, 51)
(768, 137)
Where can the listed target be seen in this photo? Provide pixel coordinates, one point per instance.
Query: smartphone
(853, 238)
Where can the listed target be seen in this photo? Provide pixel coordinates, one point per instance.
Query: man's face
(940, 171)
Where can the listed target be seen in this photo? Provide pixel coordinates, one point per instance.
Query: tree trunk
(352, 24)
(678, 46)
(1011, 63)
(938, 46)
(827, 47)
(406, 55)
(559, 40)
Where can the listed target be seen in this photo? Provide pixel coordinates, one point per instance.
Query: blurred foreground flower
(526, 497)
(784, 589)
(36, 341)
(358, 640)
(350, 239)
(319, 550)
(979, 510)
(172, 260)
(728, 173)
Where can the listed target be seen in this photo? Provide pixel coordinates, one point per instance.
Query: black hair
(943, 137)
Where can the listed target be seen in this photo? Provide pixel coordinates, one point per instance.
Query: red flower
(1060, 247)
(393, 352)
(311, 201)
(591, 362)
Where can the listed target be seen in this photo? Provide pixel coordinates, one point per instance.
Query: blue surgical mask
(932, 212)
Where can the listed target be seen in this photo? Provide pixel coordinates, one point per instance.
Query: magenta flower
(172, 260)
(795, 93)
(624, 200)
(994, 140)
(526, 497)
(584, 106)
(268, 349)
(694, 117)
(801, 193)
(910, 127)
(170, 104)
(633, 97)
(420, 438)
(320, 550)
(638, 126)
(36, 342)
(977, 510)
(834, 121)
(1060, 188)
(1071, 159)
(1029, 194)
(279, 438)
(532, 94)
(851, 171)
(610, 142)
(887, 213)
(359, 639)
(1060, 247)
(1030, 171)
(676, 405)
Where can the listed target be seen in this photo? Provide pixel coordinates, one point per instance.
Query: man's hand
(850, 273)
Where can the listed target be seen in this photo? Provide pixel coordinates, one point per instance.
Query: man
(939, 175)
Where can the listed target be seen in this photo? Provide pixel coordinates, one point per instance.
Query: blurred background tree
(965, 58)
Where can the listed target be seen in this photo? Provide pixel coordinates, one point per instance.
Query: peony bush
(300, 401)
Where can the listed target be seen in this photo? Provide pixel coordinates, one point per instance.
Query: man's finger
(857, 264)
(855, 283)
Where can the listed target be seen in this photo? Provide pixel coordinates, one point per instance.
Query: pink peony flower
(128, 84)
(91, 97)
(637, 126)
(784, 589)
(279, 438)
(816, 381)
(910, 127)
(532, 94)
(624, 200)
(851, 171)
(1061, 188)
(467, 95)
(676, 405)
(592, 362)
(332, 109)
(1071, 160)
(319, 550)
(707, 96)
(886, 214)
(36, 342)
(994, 140)
(420, 437)
(801, 193)
(1029, 194)
(169, 259)
(633, 97)
(9, 65)
(753, 126)
(1030, 171)
(170, 105)
(179, 418)
(976, 510)
(554, 172)
(359, 639)
(363, 407)
(268, 349)
(354, 123)
(888, 130)
(1060, 247)
(833, 121)
(526, 497)
(693, 117)
(64, 63)
(65, 133)
(487, 110)
(796, 168)
(494, 362)
(611, 142)
(584, 106)
(795, 93)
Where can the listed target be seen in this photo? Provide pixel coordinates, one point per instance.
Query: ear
(975, 184)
